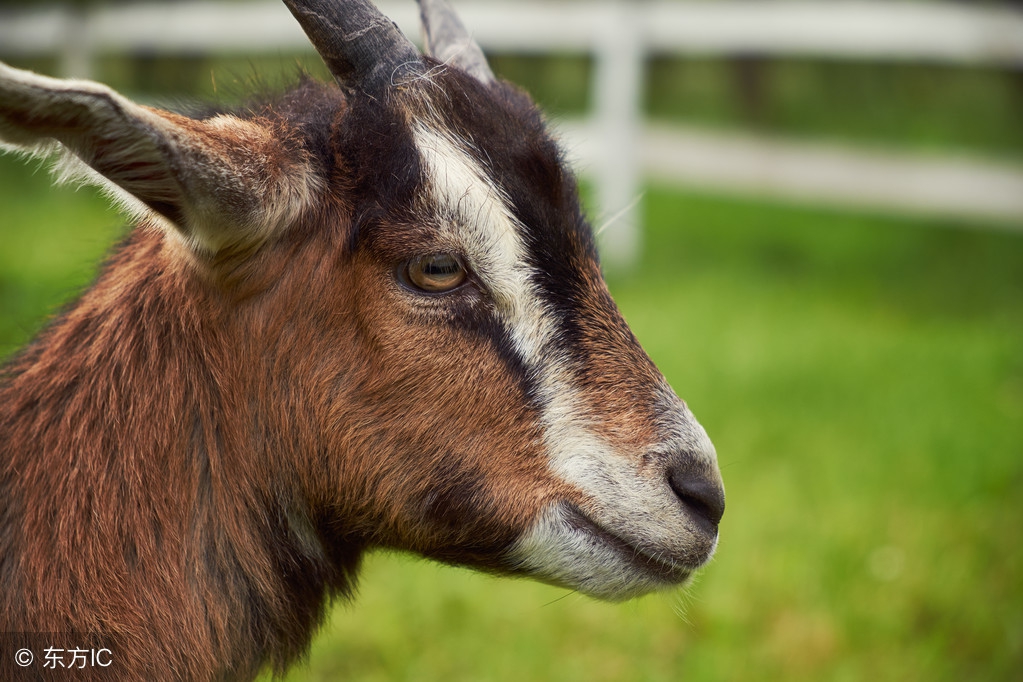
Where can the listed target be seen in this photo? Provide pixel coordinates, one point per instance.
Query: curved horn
(360, 46)
(447, 40)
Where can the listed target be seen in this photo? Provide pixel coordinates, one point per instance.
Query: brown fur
(195, 455)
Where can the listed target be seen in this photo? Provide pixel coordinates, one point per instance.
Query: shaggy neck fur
(149, 512)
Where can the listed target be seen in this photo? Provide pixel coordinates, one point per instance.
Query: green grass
(862, 378)
(924, 107)
(53, 239)
(921, 107)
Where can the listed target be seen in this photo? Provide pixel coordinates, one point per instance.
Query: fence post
(76, 49)
(617, 84)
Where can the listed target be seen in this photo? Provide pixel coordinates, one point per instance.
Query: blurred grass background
(860, 374)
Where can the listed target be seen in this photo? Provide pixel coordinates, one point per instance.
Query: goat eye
(435, 273)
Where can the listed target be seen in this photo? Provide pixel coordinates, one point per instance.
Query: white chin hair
(564, 548)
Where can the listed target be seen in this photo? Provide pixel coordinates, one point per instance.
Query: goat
(361, 315)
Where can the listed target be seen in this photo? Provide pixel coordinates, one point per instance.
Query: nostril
(701, 495)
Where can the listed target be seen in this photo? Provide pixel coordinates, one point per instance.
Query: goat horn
(361, 47)
(446, 39)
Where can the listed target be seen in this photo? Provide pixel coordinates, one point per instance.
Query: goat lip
(663, 570)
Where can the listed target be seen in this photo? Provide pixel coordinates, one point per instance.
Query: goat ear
(221, 183)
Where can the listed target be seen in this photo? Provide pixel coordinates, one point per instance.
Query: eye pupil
(435, 273)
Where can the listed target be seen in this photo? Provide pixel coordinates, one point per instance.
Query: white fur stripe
(474, 213)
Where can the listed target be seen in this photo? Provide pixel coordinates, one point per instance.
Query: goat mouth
(660, 568)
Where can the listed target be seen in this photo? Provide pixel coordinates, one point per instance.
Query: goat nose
(701, 494)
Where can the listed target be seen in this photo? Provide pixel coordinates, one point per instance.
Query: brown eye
(434, 274)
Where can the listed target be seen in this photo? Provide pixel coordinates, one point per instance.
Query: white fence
(620, 35)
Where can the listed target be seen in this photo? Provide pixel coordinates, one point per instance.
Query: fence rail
(847, 29)
(619, 34)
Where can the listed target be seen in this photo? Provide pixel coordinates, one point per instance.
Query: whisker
(618, 214)
(564, 596)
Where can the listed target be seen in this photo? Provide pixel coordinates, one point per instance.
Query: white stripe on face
(589, 543)
(474, 213)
